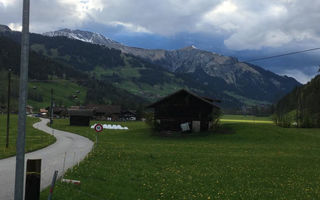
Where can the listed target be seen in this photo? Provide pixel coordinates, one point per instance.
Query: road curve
(69, 147)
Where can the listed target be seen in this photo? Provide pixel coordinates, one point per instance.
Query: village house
(106, 112)
(59, 112)
(128, 115)
(43, 112)
(185, 111)
(29, 109)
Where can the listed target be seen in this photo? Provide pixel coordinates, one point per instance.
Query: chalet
(80, 117)
(184, 110)
(43, 112)
(29, 109)
(59, 112)
(106, 112)
(128, 115)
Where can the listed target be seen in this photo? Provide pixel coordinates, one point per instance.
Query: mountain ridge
(4, 28)
(205, 72)
(160, 56)
(66, 80)
(239, 76)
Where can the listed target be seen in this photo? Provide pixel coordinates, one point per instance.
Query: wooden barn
(80, 117)
(183, 111)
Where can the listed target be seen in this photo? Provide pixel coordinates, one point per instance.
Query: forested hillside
(45, 73)
(301, 106)
(123, 71)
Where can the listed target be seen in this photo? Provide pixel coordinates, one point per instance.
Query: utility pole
(23, 91)
(51, 108)
(8, 109)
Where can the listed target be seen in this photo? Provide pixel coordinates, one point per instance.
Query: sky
(245, 29)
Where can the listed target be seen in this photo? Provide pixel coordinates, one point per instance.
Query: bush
(149, 116)
(216, 119)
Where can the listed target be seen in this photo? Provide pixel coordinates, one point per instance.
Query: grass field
(35, 139)
(245, 119)
(241, 161)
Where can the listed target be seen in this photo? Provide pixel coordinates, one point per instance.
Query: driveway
(69, 147)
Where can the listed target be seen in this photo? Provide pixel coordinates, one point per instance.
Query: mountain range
(230, 74)
(154, 73)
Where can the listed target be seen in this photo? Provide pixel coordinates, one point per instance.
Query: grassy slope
(243, 161)
(128, 75)
(150, 92)
(62, 92)
(245, 100)
(35, 139)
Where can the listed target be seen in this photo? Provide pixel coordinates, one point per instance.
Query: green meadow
(239, 161)
(35, 139)
(245, 119)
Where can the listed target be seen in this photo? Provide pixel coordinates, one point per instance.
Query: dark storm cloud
(282, 25)
(249, 24)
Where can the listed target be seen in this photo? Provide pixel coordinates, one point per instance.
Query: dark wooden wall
(184, 108)
(79, 121)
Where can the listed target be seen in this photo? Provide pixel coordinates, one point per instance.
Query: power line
(58, 80)
(281, 55)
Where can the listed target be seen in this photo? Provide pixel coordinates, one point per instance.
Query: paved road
(70, 146)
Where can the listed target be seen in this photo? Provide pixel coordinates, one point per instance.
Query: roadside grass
(240, 161)
(35, 139)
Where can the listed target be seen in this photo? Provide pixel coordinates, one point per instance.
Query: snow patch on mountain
(85, 36)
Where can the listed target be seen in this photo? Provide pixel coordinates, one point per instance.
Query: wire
(281, 55)
(58, 80)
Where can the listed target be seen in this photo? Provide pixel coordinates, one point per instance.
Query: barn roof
(80, 112)
(129, 111)
(59, 109)
(42, 110)
(203, 99)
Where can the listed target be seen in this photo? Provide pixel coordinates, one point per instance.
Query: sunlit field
(245, 119)
(239, 161)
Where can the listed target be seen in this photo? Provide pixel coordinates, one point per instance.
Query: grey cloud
(297, 23)
(253, 25)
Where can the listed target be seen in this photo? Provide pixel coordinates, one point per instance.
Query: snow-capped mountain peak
(84, 36)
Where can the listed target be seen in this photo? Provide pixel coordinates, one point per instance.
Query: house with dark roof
(106, 112)
(59, 112)
(80, 116)
(29, 109)
(185, 111)
(128, 115)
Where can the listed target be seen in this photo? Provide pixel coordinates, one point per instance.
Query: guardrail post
(52, 184)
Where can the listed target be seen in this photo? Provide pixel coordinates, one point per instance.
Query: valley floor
(240, 161)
